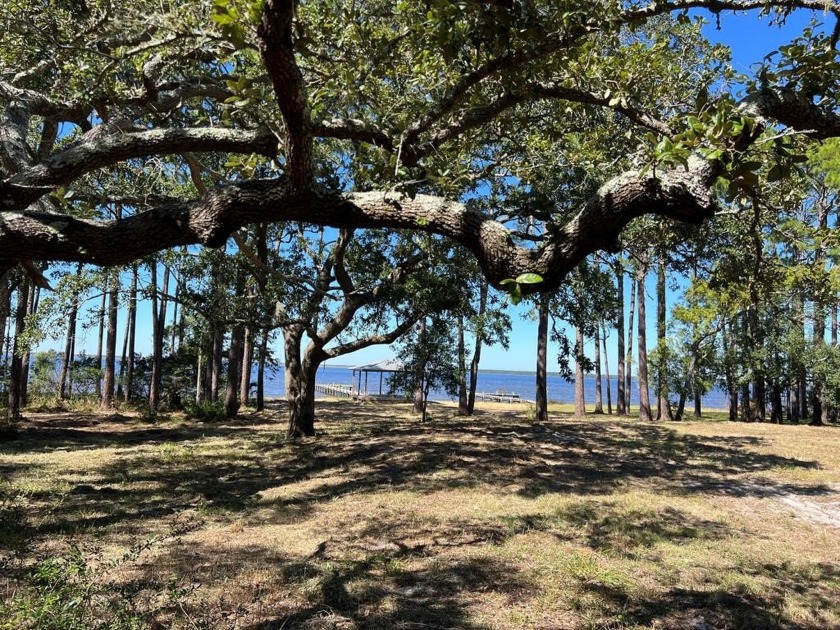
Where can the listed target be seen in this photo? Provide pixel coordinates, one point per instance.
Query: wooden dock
(335, 389)
(498, 397)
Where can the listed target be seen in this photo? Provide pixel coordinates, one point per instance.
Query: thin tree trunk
(580, 397)
(234, 381)
(599, 406)
(663, 406)
(621, 395)
(109, 384)
(199, 380)
(16, 376)
(261, 360)
(628, 388)
(607, 368)
(157, 345)
(123, 360)
(463, 403)
(216, 363)
(68, 358)
(5, 309)
(247, 360)
(479, 339)
(101, 338)
(644, 399)
(417, 400)
(132, 334)
(542, 361)
(32, 308)
(776, 414)
(678, 414)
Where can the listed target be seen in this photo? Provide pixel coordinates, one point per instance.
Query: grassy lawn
(492, 522)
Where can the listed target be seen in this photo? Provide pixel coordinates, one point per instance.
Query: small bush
(206, 411)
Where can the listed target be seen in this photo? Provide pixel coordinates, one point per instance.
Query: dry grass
(492, 522)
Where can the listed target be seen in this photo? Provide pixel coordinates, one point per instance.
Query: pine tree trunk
(215, 364)
(68, 358)
(5, 308)
(157, 345)
(580, 397)
(628, 366)
(101, 338)
(621, 394)
(132, 334)
(463, 408)
(607, 368)
(729, 376)
(247, 361)
(479, 338)
(109, 384)
(261, 360)
(644, 398)
(599, 406)
(34, 297)
(776, 414)
(16, 376)
(542, 361)
(663, 406)
(234, 381)
(417, 399)
(123, 361)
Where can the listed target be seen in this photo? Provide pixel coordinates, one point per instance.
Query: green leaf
(529, 278)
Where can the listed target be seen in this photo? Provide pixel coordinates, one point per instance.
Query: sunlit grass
(489, 522)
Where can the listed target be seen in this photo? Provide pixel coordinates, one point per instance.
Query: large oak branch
(63, 167)
(678, 194)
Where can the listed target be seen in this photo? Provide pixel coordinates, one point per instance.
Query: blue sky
(749, 39)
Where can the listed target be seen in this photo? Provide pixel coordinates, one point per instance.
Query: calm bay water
(522, 383)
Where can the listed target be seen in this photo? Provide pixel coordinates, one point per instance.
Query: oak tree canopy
(413, 114)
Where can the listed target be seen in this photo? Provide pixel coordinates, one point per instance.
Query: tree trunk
(425, 390)
(542, 361)
(644, 398)
(69, 341)
(759, 397)
(599, 406)
(746, 408)
(216, 362)
(16, 376)
(621, 395)
(109, 384)
(776, 414)
(607, 368)
(247, 360)
(34, 297)
(678, 414)
(300, 386)
(580, 397)
(463, 403)
(479, 339)
(261, 360)
(663, 406)
(418, 391)
(157, 345)
(628, 388)
(234, 381)
(132, 334)
(5, 308)
(100, 338)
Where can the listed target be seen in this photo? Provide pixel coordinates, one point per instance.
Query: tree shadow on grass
(333, 588)
(171, 473)
(722, 606)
